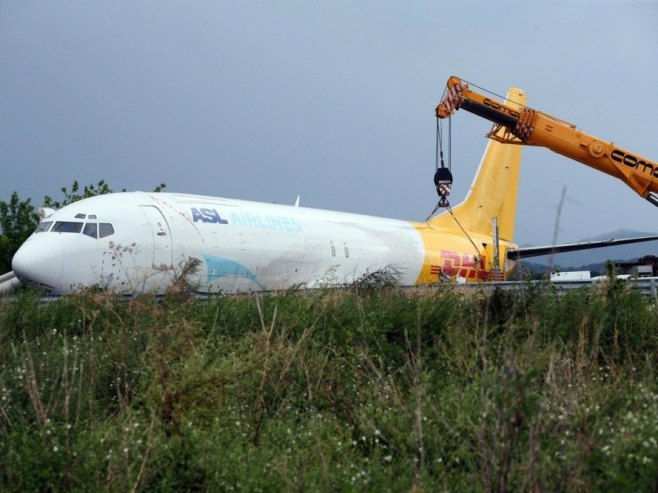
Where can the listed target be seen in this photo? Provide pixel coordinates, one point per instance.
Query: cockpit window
(105, 229)
(67, 227)
(80, 216)
(43, 226)
(91, 229)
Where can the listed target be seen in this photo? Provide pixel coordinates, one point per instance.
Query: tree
(19, 218)
(100, 188)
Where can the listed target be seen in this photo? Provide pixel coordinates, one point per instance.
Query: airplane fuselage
(141, 242)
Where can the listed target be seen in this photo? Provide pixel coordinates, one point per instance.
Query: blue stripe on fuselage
(222, 267)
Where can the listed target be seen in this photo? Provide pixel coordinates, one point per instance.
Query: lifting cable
(477, 251)
(443, 176)
(484, 89)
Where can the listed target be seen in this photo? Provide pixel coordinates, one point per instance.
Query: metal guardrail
(647, 286)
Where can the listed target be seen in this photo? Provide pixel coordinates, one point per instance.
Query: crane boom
(531, 127)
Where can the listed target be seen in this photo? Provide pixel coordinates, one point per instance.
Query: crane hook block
(443, 182)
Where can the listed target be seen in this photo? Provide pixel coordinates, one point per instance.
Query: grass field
(382, 389)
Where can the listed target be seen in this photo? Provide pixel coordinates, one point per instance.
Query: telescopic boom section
(532, 127)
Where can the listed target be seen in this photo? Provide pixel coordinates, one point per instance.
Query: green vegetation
(379, 389)
(18, 219)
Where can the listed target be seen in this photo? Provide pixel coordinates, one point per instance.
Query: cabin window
(347, 252)
(91, 229)
(333, 251)
(44, 226)
(105, 229)
(67, 227)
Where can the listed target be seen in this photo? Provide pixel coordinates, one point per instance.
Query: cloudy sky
(331, 100)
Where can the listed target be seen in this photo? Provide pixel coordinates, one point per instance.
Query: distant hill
(594, 260)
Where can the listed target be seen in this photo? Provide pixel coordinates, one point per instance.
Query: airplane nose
(38, 264)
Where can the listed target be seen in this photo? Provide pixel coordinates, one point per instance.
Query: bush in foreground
(383, 389)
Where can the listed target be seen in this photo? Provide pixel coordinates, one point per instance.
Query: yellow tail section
(494, 189)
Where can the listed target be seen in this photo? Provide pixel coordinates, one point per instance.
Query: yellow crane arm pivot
(531, 127)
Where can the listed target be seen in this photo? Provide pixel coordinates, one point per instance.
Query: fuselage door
(162, 241)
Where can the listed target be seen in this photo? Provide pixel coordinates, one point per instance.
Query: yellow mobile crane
(532, 127)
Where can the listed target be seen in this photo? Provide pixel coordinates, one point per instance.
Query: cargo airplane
(141, 242)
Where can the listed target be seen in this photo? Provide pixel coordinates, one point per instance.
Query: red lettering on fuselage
(463, 264)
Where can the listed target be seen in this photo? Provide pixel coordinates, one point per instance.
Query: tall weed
(376, 389)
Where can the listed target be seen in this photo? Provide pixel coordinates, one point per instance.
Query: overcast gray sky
(332, 100)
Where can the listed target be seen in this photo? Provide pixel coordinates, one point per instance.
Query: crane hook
(443, 182)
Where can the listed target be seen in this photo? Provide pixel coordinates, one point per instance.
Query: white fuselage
(141, 242)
